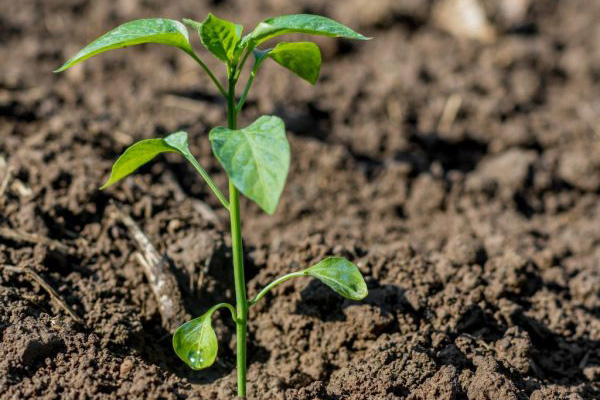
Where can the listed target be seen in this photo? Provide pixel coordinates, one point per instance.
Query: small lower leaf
(340, 275)
(195, 342)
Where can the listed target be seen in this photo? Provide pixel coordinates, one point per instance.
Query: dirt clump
(460, 176)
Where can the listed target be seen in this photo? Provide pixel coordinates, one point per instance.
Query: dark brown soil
(480, 240)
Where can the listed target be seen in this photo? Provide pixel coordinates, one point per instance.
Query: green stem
(240, 288)
(208, 180)
(257, 63)
(208, 71)
(238, 256)
(241, 65)
(224, 305)
(246, 90)
(271, 285)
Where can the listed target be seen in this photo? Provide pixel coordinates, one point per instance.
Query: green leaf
(143, 151)
(179, 142)
(256, 158)
(301, 23)
(195, 342)
(340, 275)
(134, 157)
(302, 58)
(243, 43)
(219, 36)
(154, 30)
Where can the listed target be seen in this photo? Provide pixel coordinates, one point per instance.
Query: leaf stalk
(208, 71)
(209, 181)
(249, 83)
(275, 283)
(224, 305)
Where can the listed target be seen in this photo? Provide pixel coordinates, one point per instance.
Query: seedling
(256, 158)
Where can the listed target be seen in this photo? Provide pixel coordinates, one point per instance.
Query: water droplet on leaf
(195, 357)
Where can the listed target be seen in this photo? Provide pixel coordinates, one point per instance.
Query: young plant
(256, 158)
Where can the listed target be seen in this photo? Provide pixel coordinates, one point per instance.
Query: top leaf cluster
(224, 39)
(256, 158)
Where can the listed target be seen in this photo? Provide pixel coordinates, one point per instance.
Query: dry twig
(24, 190)
(20, 236)
(160, 278)
(49, 289)
(451, 109)
(479, 341)
(5, 180)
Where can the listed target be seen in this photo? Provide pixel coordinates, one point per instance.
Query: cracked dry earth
(479, 238)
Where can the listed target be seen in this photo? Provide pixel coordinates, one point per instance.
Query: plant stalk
(238, 257)
(246, 90)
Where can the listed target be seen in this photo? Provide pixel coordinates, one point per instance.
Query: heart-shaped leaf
(301, 23)
(219, 36)
(153, 30)
(302, 58)
(256, 159)
(195, 342)
(340, 275)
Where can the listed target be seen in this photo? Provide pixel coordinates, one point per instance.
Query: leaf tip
(361, 295)
(209, 17)
(106, 184)
(269, 211)
(192, 24)
(360, 36)
(61, 68)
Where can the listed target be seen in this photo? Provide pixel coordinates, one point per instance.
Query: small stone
(126, 367)
(592, 373)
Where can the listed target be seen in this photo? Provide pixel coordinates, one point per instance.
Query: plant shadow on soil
(154, 342)
(319, 301)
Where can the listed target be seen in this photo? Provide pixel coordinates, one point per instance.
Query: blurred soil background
(455, 158)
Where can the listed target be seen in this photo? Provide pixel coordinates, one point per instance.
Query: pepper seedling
(256, 158)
